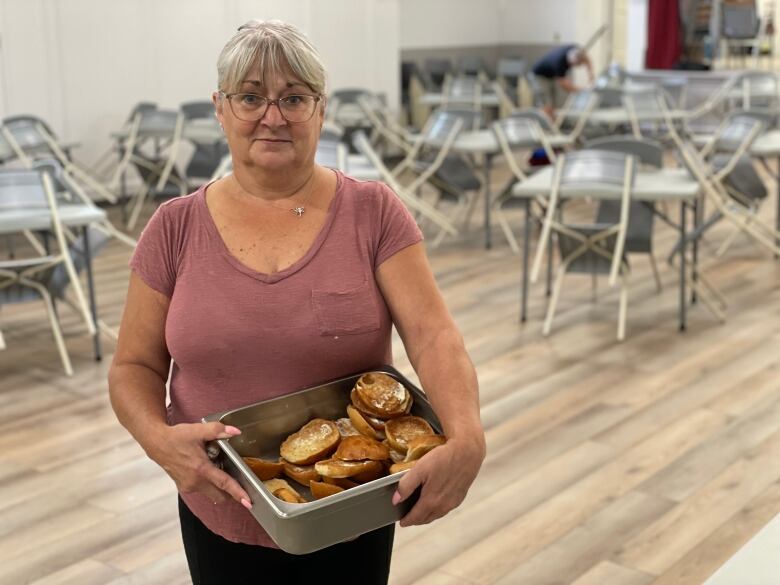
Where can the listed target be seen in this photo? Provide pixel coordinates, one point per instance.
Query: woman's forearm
(450, 382)
(138, 398)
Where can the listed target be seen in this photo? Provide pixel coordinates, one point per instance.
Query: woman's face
(271, 143)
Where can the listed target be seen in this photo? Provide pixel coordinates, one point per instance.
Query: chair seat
(589, 262)
(639, 236)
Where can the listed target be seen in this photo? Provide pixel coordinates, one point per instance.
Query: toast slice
(339, 469)
(303, 474)
(381, 396)
(315, 441)
(263, 468)
(284, 491)
(419, 446)
(359, 421)
(403, 466)
(401, 430)
(320, 489)
(360, 447)
(346, 427)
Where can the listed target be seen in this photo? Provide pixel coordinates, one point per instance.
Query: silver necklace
(299, 209)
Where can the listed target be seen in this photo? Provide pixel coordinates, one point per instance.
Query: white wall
(427, 24)
(538, 21)
(82, 64)
(636, 35)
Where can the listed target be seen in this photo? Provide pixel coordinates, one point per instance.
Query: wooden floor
(644, 462)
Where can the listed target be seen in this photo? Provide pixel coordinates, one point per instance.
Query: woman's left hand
(445, 475)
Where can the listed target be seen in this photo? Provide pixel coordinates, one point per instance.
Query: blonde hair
(272, 46)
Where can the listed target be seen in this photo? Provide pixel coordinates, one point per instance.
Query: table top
(756, 563)
(484, 141)
(664, 184)
(488, 100)
(619, 115)
(71, 215)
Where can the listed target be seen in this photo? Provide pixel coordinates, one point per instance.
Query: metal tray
(304, 528)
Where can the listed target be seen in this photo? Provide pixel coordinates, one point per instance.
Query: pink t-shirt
(238, 336)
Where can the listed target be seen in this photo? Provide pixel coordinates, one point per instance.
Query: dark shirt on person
(555, 63)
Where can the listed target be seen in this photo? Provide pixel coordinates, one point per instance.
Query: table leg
(526, 243)
(777, 202)
(487, 163)
(695, 248)
(91, 290)
(683, 251)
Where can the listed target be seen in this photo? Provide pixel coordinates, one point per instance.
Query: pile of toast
(377, 437)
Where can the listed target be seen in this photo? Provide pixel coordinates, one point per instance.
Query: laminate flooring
(644, 462)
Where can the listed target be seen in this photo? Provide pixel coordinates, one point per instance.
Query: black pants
(216, 561)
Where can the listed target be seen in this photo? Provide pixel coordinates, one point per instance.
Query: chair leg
(727, 243)
(656, 275)
(510, 237)
(137, 206)
(2, 341)
(55, 327)
(621, 332)
(553, 301)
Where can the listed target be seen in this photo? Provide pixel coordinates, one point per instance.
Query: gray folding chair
(589, 248)
(30, 138)
(509, 75)
(471, 66)
(419, 206)
(516, 134)
(641, 215)
(152, 147)
(432, 160)
(437, 71)
(463, 93)
(207, 155)
(32, 191)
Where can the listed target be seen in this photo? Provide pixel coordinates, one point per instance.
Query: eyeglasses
(250, 107)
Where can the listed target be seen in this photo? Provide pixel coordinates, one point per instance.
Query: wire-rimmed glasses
(250, 107)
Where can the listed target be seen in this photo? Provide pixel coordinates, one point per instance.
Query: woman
(280, 276)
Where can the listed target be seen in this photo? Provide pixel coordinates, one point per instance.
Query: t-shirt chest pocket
(346, 312)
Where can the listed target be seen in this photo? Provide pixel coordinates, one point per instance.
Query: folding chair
(416, 204)
(30, 138)
(463, 93)
(589, 248)
(69, 190)
(105, 165)
(647, 109)
(158, 131)
(207, 155)
(437, 72)
(384, 127)
(472, 66)
(579, 106)
(31, 190)
(725, 153)
(509, 75)
(513, 134)
(641, 214)
(432, 161)
(756, 90)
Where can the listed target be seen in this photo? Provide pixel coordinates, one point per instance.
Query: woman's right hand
(181, 451)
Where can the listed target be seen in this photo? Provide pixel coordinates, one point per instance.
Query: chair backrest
(470, 65)
(26, 131)
(583, 101)
(739, 21)
(648, 152)
(22, 189)
(675, 90)
(141, 107)
(756, 88)
(650, 101)
(609, 97)
(197, 109)
(53, 167)
(348, 95)
(437, 70)
(440, 127)
(734, 133)
(157, 122)
(596, 170)
(331, 154)
(511, 70)
(517, 132)
(463, 91)
(472, 119)
(767, 117)
(536, 115)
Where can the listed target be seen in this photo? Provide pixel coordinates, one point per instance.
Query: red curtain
(663, 34)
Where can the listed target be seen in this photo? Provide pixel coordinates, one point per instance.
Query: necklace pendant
(298, 210)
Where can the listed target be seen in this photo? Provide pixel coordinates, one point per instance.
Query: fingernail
(246, 503)
(396, 498)
(229, 432)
